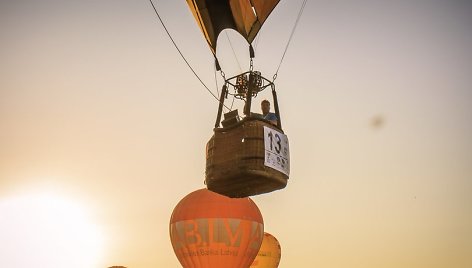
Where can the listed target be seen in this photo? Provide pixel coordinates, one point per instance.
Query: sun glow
(47, 230)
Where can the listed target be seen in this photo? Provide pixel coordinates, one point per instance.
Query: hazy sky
(97, 109)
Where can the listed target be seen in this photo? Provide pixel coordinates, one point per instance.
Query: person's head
(265, 106)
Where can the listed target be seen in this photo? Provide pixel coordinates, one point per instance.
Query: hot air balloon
(269, 254)
(209, 230)
(246, 155)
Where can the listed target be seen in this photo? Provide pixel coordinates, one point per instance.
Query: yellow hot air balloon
(269, 254)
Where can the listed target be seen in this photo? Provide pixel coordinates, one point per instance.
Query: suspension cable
(182, 55)
(291, 36)
(234, 52)
(258, 38)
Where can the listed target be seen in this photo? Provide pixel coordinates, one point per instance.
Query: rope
(234, 52)
(258, 37)
(232, 103)
(182, 55)
(291, 36)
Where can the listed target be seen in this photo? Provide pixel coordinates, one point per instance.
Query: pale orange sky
(98, 108)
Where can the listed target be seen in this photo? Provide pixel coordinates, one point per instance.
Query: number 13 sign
(277, 154)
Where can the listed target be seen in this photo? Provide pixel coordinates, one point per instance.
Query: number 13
(278, 142)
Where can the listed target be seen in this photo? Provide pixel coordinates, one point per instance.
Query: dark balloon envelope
(243, 16)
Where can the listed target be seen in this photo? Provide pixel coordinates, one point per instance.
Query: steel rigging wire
(291, 36)
(182, 55)
(198, 77)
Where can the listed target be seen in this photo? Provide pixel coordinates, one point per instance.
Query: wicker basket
(235, 161)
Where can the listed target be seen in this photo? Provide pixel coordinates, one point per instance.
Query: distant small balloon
(377, 122)
(269, 254)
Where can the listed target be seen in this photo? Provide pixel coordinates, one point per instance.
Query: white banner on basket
(277, 154)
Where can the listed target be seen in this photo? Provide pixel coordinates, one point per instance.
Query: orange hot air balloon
(269, 253)
(209, 230)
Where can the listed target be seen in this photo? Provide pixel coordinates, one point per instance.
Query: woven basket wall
(235, 161)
